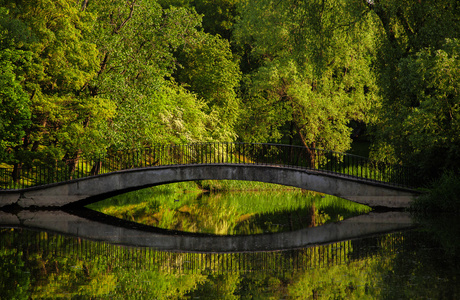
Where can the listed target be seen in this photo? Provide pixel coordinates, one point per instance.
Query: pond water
(252, 245)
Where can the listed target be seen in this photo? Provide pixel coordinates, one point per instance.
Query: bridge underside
(92, 189)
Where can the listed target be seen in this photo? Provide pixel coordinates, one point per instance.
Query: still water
(257, 245)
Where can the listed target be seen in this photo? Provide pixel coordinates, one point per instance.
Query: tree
(138, 42)
(81, 78)
(416, 72)
(424, 133)
(207, 68)
(310, 72)
(218, 15)
(14, 103)
(47, 60)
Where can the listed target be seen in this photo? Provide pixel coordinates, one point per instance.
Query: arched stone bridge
(90, 179)
(86, 190)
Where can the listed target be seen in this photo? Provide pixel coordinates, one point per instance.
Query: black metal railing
(39, 173)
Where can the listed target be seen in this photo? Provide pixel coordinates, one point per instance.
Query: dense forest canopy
(91, 76)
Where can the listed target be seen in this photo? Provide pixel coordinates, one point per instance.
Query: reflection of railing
(52, 246)
(325, 161)
(92, 225)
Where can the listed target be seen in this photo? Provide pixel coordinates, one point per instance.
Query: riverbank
(219, 186)
(444, 196)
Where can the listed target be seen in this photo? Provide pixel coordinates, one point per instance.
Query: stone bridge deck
(94, 188)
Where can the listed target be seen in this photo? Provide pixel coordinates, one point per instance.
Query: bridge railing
(40, 173)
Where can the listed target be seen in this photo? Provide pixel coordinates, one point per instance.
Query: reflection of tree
(429, 265)
(217, 286)
(231, 213)
(54, 266)
(14, 279)
(62, 266)
(335, 282)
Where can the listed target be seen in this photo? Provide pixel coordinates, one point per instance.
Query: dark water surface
(275, 245)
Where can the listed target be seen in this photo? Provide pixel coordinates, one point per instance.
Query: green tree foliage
(209, 70)
(14, 101)
(430, 94)
(309, 70)
(417, 75)
(47, 61)
(444, 196)
(80, 77)
(218, 15)
(137, 41)
(14, 104)
(86, 76)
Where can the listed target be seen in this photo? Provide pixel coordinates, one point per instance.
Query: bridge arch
(94, 188)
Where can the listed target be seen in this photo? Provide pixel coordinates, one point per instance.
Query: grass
(239, 185)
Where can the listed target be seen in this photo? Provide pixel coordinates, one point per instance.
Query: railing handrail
(199, 153)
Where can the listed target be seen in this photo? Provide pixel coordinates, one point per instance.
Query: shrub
(444, 195)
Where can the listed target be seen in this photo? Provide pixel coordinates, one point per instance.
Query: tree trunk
(16, 172)
(71, 162)
(310, 154)
(96, 168)
(312, 216)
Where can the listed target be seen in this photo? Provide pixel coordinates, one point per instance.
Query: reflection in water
(92, 225)
(54, 264)
(45, 244)
(57, 254)
(239, 213)
(41, 265)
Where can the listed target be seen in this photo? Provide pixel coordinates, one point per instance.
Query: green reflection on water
(38, 265)
(230, 213)
(416, 264)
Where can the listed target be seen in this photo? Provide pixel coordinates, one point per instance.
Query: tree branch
(131, 11)
(375, 6)
(84, 5)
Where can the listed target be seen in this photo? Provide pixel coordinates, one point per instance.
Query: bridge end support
(9, 198)
(396, 201)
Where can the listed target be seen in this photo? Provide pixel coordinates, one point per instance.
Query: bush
(444, 195)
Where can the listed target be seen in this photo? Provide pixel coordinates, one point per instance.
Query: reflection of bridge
(96, 226)
(88, 179)
(50, 244)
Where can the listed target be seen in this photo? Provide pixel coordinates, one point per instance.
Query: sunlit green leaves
(100, 76)
(138, 61)
(14, 103)
(430, 95)
(207, 68)
(313, 69)
(417, 77)
(69, 60)
(52, 62)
